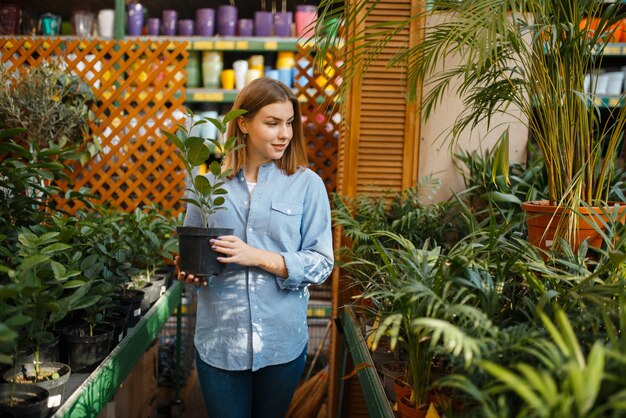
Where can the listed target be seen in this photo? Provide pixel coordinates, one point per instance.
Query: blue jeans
(265, 393)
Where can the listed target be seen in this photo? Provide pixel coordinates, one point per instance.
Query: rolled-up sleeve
(313, 262)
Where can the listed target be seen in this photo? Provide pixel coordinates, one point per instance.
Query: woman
(251, 331)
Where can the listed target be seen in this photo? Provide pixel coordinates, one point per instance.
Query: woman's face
(269, 132)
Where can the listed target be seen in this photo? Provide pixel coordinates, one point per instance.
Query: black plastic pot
(84, 351)
(47, 352)
(196, 255)
(55, 387)
(118, 317)
(32, 401)
(133, 299)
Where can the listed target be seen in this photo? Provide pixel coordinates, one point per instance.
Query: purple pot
(226, 20)
(170, 18)
(245, 27)
(10, 16)
(154, 26)
(263, 23)
(282, 24)
(186, 27)
(205, 22)
(134, 19)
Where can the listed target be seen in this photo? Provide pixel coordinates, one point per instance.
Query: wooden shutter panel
(379, 148)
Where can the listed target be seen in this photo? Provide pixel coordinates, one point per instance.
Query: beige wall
(435, 153)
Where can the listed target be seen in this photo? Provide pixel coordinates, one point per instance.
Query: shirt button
(249, 229)
(241, 179)
(245, 203)
(289, 211)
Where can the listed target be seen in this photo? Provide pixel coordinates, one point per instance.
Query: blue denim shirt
(248, 318)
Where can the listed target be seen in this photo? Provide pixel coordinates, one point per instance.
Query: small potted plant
(206, 191)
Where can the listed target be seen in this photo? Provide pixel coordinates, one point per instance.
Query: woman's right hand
(187, 278)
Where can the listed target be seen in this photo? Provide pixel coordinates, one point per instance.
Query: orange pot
(406, 410)
(401, 389)
(543, 221)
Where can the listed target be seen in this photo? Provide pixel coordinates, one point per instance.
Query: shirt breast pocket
(284, 222)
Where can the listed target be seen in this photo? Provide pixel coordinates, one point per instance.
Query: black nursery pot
(84, 351)
(131, 298)
(32, 401)
(196, 255)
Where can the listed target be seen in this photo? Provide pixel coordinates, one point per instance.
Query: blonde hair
(254, 96)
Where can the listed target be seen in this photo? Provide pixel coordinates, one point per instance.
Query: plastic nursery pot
(55, 387)
(196, 256)
(29, 401)
(84, 351)
(132, 299)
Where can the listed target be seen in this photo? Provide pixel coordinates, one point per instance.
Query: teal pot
(84, 351)
(31, 401)
(133, 299)
(118, 317)
(55, 387)
(196, 256)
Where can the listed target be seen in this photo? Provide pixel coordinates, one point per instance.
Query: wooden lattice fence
(140, 90)
(323, 118)
(138, 87)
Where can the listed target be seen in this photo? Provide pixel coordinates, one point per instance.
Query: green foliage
(206, 191)
(149, 232)
(409, 214)
(52, 105)
(525, 59)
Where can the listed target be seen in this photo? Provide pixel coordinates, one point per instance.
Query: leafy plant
(52, 105)
(150, 233)
(525, 59)
(42, 289)
(206, 191)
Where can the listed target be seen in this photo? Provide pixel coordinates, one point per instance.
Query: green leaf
(55, 248)
(502, 197)
(202, 185)
(215, 168)
(233, 114)
(218, 124)
(175, 140)
(73, 284)
(198, 154)
(17, 321)
(218, 201)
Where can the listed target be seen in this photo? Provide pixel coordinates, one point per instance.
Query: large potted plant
(205, 191)
(529, 59)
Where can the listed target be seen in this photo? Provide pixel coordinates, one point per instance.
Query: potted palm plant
(529, 59)
(205, 191)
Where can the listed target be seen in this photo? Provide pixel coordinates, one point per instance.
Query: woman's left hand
(235, 250)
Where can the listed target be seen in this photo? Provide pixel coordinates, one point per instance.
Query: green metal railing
(91, 396)
(378, 405)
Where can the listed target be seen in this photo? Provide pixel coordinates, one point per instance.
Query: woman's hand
(235, 250)
(187, 278)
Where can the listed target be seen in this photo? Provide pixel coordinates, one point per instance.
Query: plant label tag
(432, 412)
(54, 401)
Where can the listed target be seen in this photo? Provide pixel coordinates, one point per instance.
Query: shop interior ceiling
(185, 8)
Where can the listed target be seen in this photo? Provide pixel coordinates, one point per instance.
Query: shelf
(210, 95)
(88, 393)
(199, 43)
